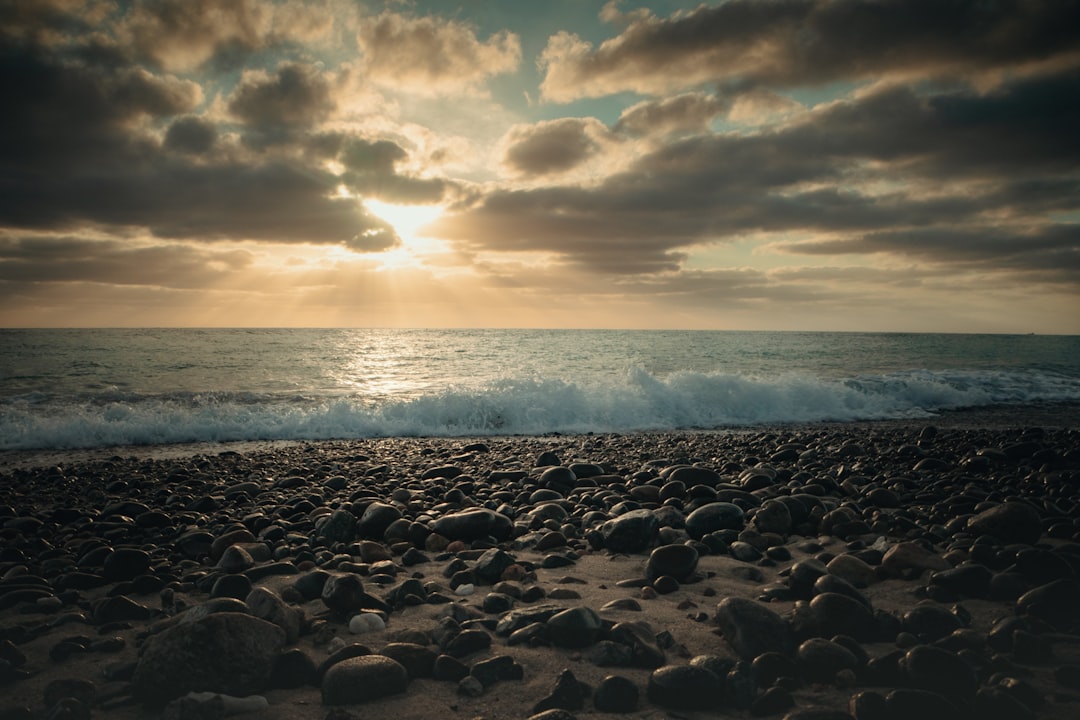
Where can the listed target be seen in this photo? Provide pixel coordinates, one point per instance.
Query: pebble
(367, 530)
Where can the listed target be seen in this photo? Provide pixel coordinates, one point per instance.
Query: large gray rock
(228, 653)
(473, 525)
(751, 629)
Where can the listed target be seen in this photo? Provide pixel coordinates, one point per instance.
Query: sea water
(99, 388)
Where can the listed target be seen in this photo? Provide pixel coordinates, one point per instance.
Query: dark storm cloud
(552, 146)
(295, 96)
(746, 43)
(681, 113)
(1010, 152)
(191, 135)
(77, 147)
(1053, 251)
(39, 260)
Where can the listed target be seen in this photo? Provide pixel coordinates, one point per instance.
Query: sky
(867, 165)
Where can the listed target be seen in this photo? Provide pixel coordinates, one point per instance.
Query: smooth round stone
(377, 517)
(712, 517)
(631, 532)
(235, 559)
(869, 705)
(773, 516)
(920, 705)
(125, 564)
(769, 666)
(685, 687)
(744, 551)
(970, 579)
(909, 556)
(937, 670)
(473, 524)
(804, 574)
(293, 668)
(751, 628)
(854, 570)
(616, 694)
(561, 479)
(820, 660)
(835, 584)
(365, 623)
(995, 703)
(837, 614)
(691, 475)
(1010, 522)
(468, 642)
(773, 701)
(677, 561)
(574, 628)
(1055, 603)
(364, 678)
(930, 622)
(232, 586)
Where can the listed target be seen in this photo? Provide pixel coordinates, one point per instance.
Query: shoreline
(1000, 417)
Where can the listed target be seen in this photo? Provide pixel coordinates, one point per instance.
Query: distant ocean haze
(98, 388)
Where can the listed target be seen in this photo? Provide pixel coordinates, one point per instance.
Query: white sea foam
(638, 400)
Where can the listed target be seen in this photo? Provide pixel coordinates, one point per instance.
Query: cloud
(190, 134)
(886, 158)
(743, 44)
(27, 260)
(294, 97)
(552, 146)
(689, 112)
(432, 55)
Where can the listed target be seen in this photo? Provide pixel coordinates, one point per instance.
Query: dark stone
(229, 653)
(568, 694)
(293, 669)
(645, 652)
(970, 579)
(449, 669)
(773, 701)
(1010, 522)
(340, 526)
(713, 517)
(677, 561)
(685, 687)
(836, 614)
(616, 694)
(574, 628)
(921, 704)
(360, 679)
(126, 564)
(995, 703)
(418, 660)
(1054, 603)
(751, 628)
(497, 669)
(468, 642)
(820, 660)
(937, 670)
(930, 622)
(376, 518)
(631, 532)
(489, 567)
(473, 525)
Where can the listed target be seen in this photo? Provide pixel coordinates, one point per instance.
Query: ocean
(98, 388)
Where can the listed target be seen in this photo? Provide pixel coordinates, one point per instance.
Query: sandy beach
(469, 550)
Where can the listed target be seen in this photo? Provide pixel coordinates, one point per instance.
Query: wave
(639, 401)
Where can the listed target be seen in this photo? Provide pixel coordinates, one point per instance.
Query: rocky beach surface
(868, 572)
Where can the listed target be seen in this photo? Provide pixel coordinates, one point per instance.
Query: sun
(409, 222)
